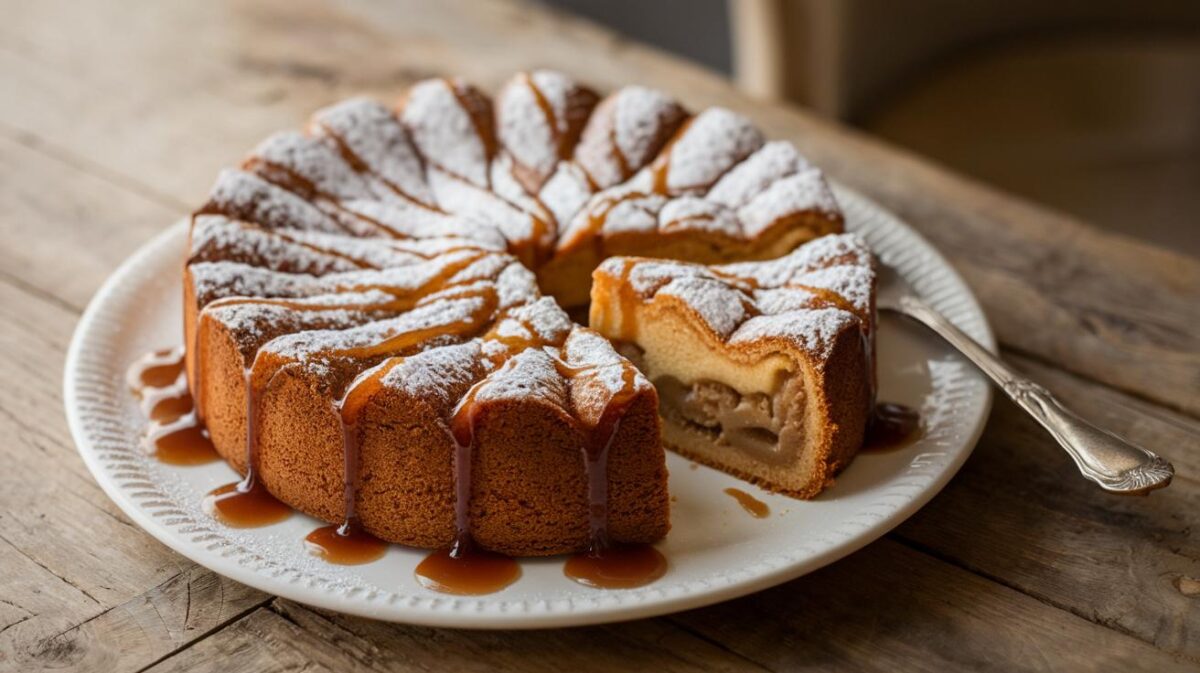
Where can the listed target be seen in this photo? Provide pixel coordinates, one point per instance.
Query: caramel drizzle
(350, 406)
(598, 440)
(485, 138)
(660, 168)
(174, 435)
(405, 299)
(349, 411)
(826, 298)
(285, 178)
(617, 155)
(547, 109)
(361, 166)
(292, 181)
(399, 342)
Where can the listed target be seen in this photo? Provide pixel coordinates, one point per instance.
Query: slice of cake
(763, 369)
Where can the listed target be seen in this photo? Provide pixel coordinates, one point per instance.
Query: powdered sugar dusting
(814, 330)
(315, 160)
(625, 132)
(246, 196)
(566, 192)
(444, 131)
(774, 160)
(714, 142)
(439, 376)
(524, 128)
(721, 306)
(601, 374)
(218, 238)
(638, 120)
(370, 131)
(803, 192)
(529, 376)
(732, 299)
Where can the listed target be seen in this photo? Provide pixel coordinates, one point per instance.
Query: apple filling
(765, 426)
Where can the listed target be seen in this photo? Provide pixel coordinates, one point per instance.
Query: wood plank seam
(1009, 348)
(233, 619)
(22, 284)
(1045, 600)
(48, 148)
(714, 642)
(43, 566)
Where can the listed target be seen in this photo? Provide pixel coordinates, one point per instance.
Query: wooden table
(116, 115)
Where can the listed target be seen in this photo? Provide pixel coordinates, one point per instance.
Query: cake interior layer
(749, 413)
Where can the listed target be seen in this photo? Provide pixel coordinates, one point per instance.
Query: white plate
(716, 550)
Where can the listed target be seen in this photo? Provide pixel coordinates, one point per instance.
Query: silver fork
(1113, 463)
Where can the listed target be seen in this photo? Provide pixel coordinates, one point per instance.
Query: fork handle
(1113, 463)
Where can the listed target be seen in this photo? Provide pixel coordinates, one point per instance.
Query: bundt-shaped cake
(763, 369)
(375, 329)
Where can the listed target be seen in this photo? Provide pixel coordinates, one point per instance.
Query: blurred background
(1088, 106)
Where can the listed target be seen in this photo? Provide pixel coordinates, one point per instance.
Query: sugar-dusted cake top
(807, 297)
(411, 235)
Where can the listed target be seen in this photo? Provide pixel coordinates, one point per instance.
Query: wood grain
(1018, 565)
(652, 645)
(1017, 513)
(891, 608)
(81, 587)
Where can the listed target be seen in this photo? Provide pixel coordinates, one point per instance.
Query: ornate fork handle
(1113, 463)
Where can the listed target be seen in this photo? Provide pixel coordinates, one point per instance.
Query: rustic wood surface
(115, 116)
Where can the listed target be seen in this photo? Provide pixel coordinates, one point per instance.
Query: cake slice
(763, 369)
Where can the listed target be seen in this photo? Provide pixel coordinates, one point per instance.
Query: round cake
(377, 326)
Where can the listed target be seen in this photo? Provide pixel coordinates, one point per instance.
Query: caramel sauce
(617, 566)
(174, 436)
(622, 161)
(891, 427)
(239, 505)
(660, 170)
(360, 263)
(480, 118)
(184, 442)
(547, 110)
(170, 406)
(159, 369)
(346, 545)
(627, 303)
(465, 571)
(757, 508)
(660, 173)
(596, 449)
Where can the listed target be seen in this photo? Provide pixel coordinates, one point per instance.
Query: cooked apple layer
(757, 375)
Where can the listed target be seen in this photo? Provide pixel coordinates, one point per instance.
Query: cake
(375, 308)
(763, 369)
